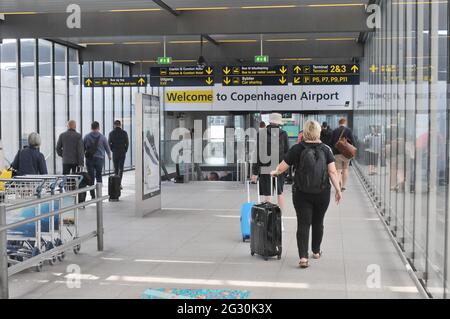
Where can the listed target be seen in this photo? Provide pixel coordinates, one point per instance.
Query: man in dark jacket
(70, 147)
(119, 143)
(326, 134)
(342, 163)
(29, 161)
(259, 168)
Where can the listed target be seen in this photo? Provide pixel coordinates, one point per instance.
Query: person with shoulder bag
(314, 169)
(344, 150)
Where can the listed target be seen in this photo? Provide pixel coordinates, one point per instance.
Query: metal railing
(6, 271)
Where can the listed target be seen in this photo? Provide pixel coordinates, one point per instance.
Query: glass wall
(41, 88)
(401, 124)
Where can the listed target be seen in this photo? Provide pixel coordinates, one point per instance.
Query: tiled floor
(195, 242)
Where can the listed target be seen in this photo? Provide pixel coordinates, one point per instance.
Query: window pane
(9, 103)
(46, 102)
(74, 86)
(87, 100)
(61, 115)
(109, 106)
(28, 87)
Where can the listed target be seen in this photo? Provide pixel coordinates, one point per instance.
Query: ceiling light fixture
(18, 13)
(296, 59)
(286, 40)
(96, 43)
(271, 7)
(135, 10)
(325, 5)
(237, 41)
(142, 43)
(202, 8)
(336, 39)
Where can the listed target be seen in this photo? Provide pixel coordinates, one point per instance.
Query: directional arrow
(355, 68)
(282, 80)
(373, 68)
(209, 71)
(227, 80)
(297, 69)
(209, 81)
(88, 82)
(226, 70)
(141, 81)
(283, 70)
(297, 79)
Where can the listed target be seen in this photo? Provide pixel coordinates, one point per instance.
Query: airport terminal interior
(189, 80)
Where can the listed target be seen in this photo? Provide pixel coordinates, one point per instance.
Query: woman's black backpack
(311, 175)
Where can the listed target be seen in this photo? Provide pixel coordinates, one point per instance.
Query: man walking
(342, 162)
(118, 143)
(70, 148)
(326, 134)
(259, 168)
(95, 145)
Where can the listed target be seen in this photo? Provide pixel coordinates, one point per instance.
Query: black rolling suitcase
(114, 188)
(265, 229)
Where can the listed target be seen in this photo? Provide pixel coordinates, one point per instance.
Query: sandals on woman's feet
(303, 264)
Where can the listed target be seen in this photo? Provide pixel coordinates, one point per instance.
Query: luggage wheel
(77, 249)
(61, 256)
(279, 257)
(39, 267)
(52, 261)
(252, 253)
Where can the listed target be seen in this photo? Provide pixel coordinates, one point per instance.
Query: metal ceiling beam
(226, 52)
(157, 23)
(166, 7)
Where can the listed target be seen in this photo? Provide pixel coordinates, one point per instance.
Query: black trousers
(119, 163)
(69, 168)
(311, 209)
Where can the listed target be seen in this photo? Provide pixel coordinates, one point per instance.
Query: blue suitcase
(246, 215)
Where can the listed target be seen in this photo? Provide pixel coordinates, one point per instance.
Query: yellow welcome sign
(205, 96)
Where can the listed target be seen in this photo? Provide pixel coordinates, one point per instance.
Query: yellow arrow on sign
(297, 80)
(209, 70)
(226, 70)
(282, 80)
(297, 69)
(355, 68)
(227, 80)
(141, 81)
(88, 82)
(373, 68)
(209, 81)
(283, 70)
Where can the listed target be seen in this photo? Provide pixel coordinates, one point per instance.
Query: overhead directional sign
(182, 76)
(254, 75)
(164, 60)
(326, 74)
(115, 82)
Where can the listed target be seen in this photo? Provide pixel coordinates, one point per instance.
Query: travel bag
(265, 229)
(246, 215)
(344, 147)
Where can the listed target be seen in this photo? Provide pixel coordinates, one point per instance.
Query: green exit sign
(164, 60)
(261, 59)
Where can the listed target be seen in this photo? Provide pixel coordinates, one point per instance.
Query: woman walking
(314, 169)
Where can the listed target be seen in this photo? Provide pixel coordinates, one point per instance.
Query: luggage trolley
(24, 242)
(67, 228)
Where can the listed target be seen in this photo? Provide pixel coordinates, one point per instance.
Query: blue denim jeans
(95, 170)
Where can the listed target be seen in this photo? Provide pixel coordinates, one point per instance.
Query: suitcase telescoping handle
(274, 191)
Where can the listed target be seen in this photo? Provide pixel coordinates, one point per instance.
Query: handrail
(38, 201)
(4, 272)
